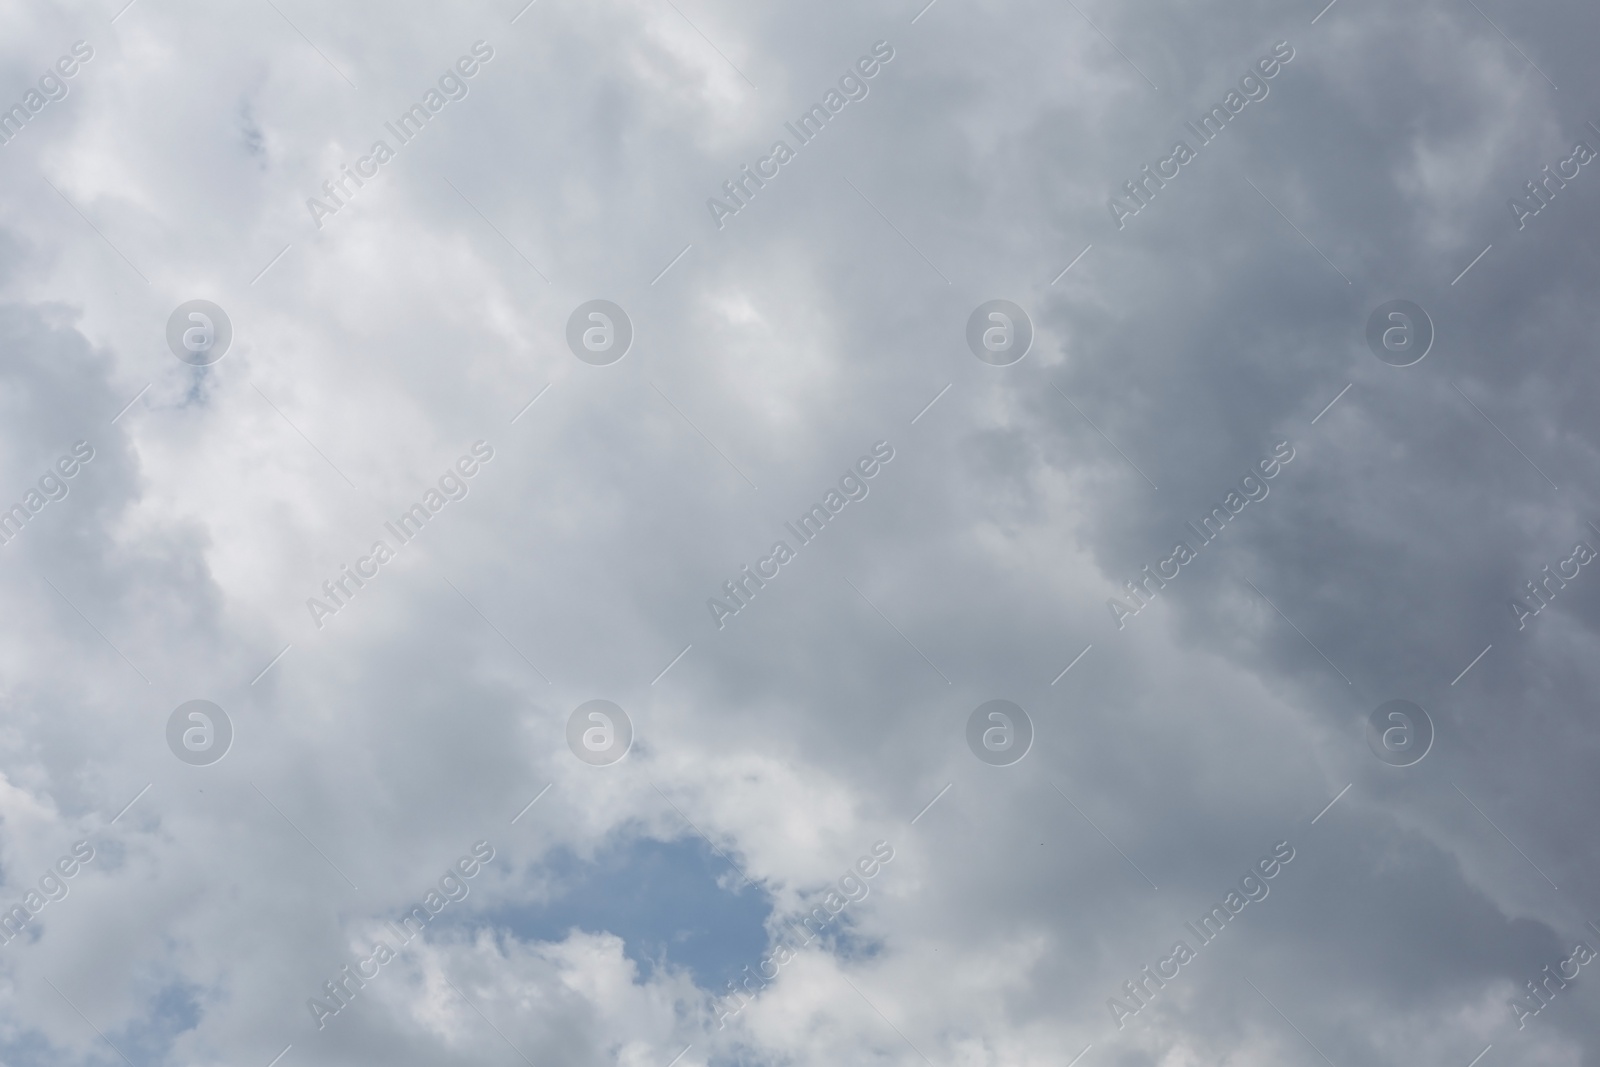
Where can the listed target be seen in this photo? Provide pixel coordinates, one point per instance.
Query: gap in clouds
(147, 1038)
(673, 903)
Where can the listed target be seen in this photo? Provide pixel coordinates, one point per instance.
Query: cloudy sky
(251, 325)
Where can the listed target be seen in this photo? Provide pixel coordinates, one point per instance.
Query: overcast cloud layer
(1264, 433)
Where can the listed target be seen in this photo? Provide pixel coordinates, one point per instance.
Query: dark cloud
(1227, 716)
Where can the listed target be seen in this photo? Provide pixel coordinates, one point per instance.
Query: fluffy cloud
(369, 354)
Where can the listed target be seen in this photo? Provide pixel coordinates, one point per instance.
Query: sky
(674, 532)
